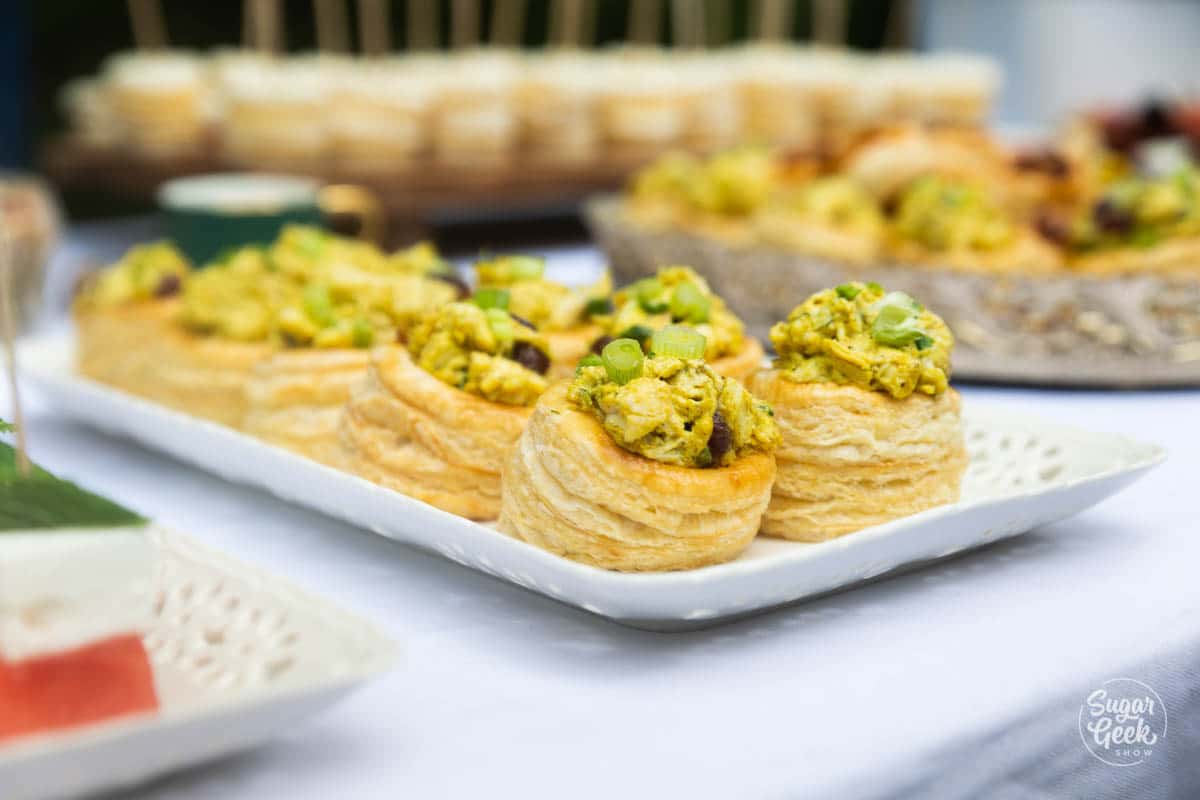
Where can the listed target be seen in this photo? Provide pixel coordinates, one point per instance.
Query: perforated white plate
(1023, 474)
(239, 656)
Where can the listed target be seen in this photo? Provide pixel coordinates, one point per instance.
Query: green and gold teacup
(206, 215)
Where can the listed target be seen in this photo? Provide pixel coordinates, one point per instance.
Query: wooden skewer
(687, 23)
(464, 23)
(507, 23)
(333, 34)
(266, 25)
(566, 22)
(8, 322)
(718, 22)
(829, 21)
(645, 21)
(422, 28)
(774, 20)
(248, 24)
(149, 28)
(375, 26)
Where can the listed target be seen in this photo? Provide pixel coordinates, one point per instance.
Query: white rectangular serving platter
(1023, 474)
(239, 656)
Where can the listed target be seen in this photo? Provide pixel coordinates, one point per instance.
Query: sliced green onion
(318, 305)
(491, 298)
(622, 360)
(501, 324)
(874, 287)
(848, 291)
(895, 324)
(638, 332)
(689, 304)
(362, 334)
(649, 295)
(676, 341)
(923, 342)
(524, 268)
(598, 305)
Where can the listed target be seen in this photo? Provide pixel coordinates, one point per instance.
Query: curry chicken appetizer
(565, 316)
(268, 339)
(643, 462)
(871, 429)
(678, 296)
(437, 414)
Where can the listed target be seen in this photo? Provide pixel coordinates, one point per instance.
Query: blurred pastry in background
(89, 111)
(381, 117)
(556, 104)
(957, 225)
(643, 462)
(160, 101)
(871, 428)
(438, 414)
(124, 314)
(1139, 224)
(474, 113)
(564, 316)
(831, 217)
(677, 296)
(277, 113)
(642, 111)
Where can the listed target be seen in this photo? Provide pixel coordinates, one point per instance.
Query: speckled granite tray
(1137, 331)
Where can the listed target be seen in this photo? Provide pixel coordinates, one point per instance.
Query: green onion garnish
(491, 298)
(895, 324)
(362, 334)
(638, 332)
(598, 305)
(525, 268)
(689, 304)
(873, 286)
(318, 305)
(649, 296)
(848, 291)
(622, 360)
(501, 323)
(676, 341)
(923, 342)
(590, 360)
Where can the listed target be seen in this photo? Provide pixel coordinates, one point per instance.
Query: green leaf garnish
(42, 500)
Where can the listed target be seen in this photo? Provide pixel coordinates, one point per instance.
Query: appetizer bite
(871, 428)
(123, 313)
(437, 415)
(678, 296)
(957, 225)
(563, 315)
(1142, 224)
(75, 573)
(643, 462)
(342, 298)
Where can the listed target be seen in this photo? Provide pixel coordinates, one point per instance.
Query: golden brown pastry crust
(295, 399)
(1027, 254)
(853, 458)
(567, 347)
(142, 350)
(1172, 257)
(569, 489)
(742, 364)
(405, 429)
(794, 233)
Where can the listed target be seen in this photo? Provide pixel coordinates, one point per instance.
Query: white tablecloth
(964, 679)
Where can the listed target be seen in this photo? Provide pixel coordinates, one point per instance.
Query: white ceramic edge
(670, 600)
